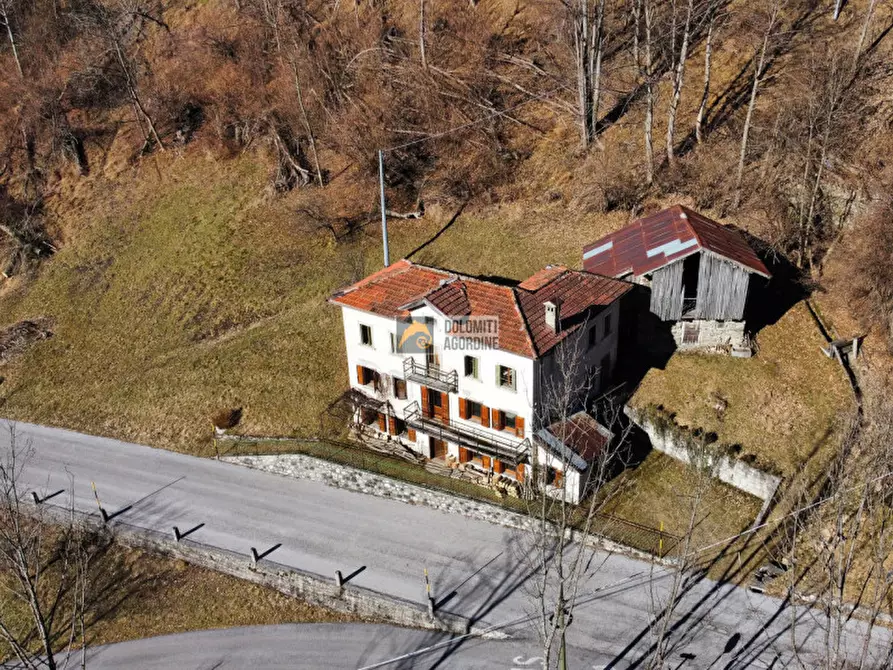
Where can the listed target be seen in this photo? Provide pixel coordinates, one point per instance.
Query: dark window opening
(399, 388)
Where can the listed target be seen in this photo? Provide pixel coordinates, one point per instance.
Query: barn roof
(657, 240)
(403, 286)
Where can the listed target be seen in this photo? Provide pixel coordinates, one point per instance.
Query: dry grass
(182, 290)
(136, 594)
(658, 493)
(784, 404)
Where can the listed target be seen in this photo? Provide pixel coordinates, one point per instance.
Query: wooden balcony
(503, 448)
(431, 376)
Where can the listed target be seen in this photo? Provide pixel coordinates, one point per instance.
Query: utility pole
(384, 217)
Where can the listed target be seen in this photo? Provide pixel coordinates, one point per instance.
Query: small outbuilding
(698, 271)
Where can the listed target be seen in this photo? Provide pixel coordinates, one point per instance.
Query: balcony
(431, 376)
(506, 450)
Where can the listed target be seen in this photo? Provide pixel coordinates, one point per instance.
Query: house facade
(466, 369)
(699, 273)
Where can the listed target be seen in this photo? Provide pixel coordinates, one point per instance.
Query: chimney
(553, 314)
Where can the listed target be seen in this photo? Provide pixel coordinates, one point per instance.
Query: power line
(471, 124)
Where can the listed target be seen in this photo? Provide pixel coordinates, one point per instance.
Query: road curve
(313, 647)
(477, 569)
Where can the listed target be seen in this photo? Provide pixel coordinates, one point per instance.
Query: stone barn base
(706, 334)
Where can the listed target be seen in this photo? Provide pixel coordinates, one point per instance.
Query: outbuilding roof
(657, 240)
(578, 440)
(403, 286)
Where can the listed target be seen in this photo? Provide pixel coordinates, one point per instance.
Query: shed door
(691, 333)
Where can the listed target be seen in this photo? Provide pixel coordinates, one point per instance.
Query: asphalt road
(312, 647)
(480, 568)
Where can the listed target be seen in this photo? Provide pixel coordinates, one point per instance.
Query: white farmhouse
(467, 397)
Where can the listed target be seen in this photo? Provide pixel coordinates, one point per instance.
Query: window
(510, 421)
(505, 377)
(366, 376)
(471, 367)
(365, 335)
(605, 371)
(393, 343)
(607, 329)
(593, 336)
(399, 388)
(473, 410)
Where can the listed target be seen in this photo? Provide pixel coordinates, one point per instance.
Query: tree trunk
(422, 34)
(748, 119)
(705, 95)
(678, 80)
(649, 97)
(135, 98)
(583, 55)
(7, 20)
(306, 120)
(598, 46)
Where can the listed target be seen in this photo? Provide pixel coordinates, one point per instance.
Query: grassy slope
(783, 405)
(134, 594)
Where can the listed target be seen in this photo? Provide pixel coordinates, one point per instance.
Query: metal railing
(431, 375)
(497, 446)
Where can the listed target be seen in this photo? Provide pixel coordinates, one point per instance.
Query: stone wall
(711, 334)
(312, 588)
(729, 470)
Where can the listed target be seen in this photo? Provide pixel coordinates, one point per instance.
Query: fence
(310, 587)
(642, 538)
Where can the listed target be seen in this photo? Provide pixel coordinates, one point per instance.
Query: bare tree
(702, 464)
(647, 71)
(708, 64)
(678, 78)
(559, 552)
(119, 27)
(588, 20)
(45, 565)
(422, 30)
(6, 13)
(760, 62)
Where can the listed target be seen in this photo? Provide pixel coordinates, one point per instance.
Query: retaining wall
(729, 470)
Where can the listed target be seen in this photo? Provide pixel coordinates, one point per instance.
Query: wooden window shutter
(485, 416)
(410, 433)
(392, 425)
(559, 475)
(498, 467)
(361, 377)
(498, 419)
(382, 426)
(485, 461)
(519, 472)
(463, 408)
(519, 426)
(425, 405)
(464, 456)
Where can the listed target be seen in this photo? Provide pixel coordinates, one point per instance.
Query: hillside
(182, 185)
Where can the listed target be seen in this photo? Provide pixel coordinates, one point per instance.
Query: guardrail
(431, 375)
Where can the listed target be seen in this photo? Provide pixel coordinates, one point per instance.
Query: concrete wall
(729, 470)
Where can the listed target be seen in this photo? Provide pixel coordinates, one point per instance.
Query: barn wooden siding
(722, 289)
(666, 292)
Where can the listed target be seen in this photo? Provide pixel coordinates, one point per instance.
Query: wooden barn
(699, 273)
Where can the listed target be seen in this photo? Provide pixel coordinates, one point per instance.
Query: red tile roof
(399, 288)
(583, 434)
(659, 239)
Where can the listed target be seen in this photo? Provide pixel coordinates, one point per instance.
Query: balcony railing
(497, 446)
(431, 376)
